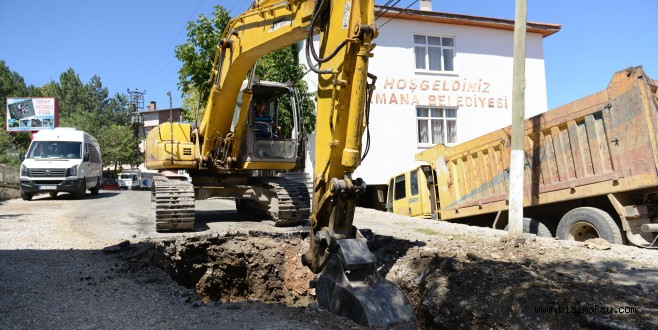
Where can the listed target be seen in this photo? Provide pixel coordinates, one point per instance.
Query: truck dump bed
(598, 145)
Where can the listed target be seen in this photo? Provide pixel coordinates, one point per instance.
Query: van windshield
(55, 149)
(128, 176)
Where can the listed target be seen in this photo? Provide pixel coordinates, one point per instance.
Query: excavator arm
(347, 282)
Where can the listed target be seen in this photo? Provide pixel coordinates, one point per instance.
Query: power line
(396, 15)
(387, 6)
(168, 49)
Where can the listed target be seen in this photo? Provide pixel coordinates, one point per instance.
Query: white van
(130, 179)
(61, 160)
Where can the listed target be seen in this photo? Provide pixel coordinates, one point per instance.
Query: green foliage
(11, 144)
(118, 146)
(85, 106)
(198, 54)
(283, 66)
(8, 150)
(190, 105)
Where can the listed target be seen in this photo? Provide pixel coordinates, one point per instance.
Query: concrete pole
(517, 159)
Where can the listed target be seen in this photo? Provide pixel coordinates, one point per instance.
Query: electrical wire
(168, 49)
(386, 6)
(396, 15)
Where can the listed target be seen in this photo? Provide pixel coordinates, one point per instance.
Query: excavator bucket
(350, 286)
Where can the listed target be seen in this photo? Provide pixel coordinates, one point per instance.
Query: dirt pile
(239, 267)
(508, 286)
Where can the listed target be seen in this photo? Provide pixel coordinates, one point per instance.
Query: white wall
(480, 88)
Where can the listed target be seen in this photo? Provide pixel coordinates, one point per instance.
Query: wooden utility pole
(517, 159)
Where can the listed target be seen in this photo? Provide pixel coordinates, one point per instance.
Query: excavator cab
(273, 127)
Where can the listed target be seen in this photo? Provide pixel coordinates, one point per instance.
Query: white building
(442, 78)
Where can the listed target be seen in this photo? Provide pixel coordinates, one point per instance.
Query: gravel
(55, 275)
(63, 265)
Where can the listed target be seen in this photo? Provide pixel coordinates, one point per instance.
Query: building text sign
(446, 92)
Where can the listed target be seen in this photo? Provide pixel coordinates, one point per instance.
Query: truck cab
(412, 192)
(129, 180)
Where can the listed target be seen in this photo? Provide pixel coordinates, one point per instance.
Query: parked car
(110, 184)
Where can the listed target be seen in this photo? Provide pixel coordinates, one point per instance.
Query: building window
(436, 125)
(434, 53)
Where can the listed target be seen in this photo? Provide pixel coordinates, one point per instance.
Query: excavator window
(272, 123)
(265, 122)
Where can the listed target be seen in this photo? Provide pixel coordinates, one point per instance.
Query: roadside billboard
(29, 114)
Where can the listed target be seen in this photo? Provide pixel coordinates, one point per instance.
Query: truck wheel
(584, 223)
(94, 190)
(534, 226)
(80, 194)
(26, 196)
(52, 194)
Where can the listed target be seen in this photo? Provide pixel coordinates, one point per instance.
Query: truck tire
(534, 226)
(26, 196)
(80, 194)
(583, 223)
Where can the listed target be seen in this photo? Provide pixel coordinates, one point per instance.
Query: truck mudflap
(350, 286)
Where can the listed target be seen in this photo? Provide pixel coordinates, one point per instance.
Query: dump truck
(591, 170)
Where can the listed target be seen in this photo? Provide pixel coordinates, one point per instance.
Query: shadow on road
(67, 196)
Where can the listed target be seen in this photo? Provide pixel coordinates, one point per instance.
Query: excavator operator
(264, 126)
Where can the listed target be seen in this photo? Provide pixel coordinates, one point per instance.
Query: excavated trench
(262, 266)
(240, 267)
(450, 287)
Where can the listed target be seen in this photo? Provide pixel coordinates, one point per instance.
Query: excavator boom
(347, 281)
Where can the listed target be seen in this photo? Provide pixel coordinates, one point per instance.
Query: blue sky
(129, 44)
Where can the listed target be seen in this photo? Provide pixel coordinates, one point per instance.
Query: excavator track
(289, 203)
(294, 203)
(173, 204)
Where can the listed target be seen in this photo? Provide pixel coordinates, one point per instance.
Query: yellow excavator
(234, 153)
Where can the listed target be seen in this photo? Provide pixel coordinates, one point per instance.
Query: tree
(118, 146)
(198, 53)
(83, 106)
(88, 108)
(192, 104)
(11, 144)
(283, 66)
(72, 94)
(116, 111)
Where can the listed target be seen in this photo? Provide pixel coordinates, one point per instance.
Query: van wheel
(52, 194)
(584, 223)
(534, 226)
(26, 196)
(80, 194)
(94, 190)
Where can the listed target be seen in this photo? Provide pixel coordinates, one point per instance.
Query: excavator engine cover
(350, 286)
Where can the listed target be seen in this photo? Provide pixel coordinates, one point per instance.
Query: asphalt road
(55, 274)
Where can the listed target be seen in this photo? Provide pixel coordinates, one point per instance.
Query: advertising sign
(28, 114)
